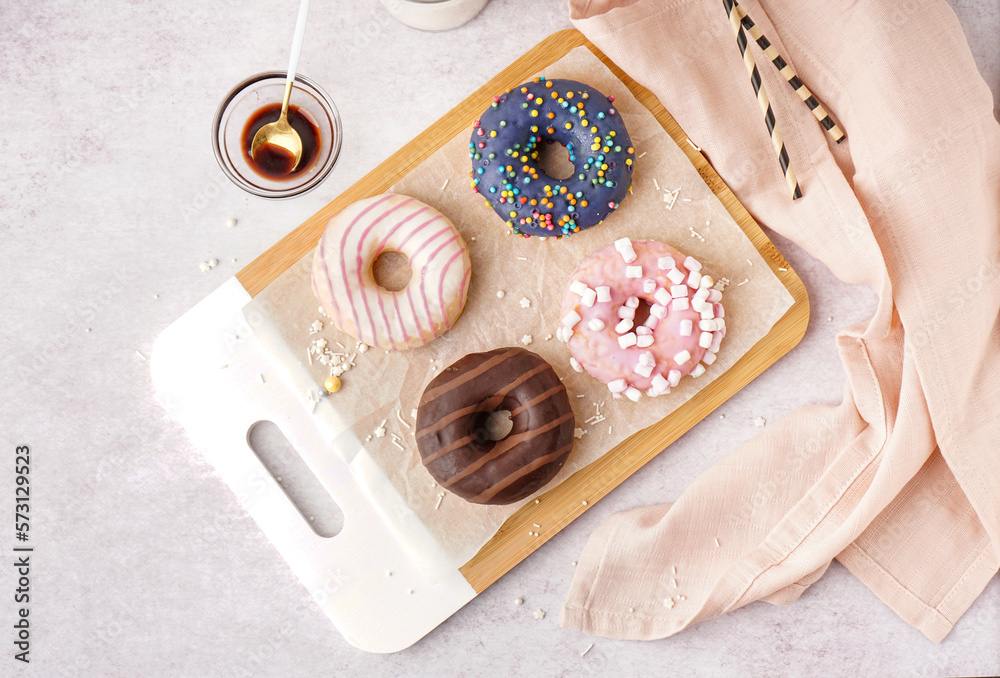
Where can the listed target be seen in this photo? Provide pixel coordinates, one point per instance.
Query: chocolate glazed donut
(452, 435)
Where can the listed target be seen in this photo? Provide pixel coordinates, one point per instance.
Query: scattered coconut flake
(670, 197)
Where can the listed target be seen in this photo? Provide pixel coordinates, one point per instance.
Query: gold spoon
(279, 133)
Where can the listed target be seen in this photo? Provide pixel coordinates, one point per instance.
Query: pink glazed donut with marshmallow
(639, 315)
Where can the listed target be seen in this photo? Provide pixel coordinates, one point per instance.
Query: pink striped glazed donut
(342, 272)
(681, 334)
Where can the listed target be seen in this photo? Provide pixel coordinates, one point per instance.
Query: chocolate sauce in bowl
(273, 162)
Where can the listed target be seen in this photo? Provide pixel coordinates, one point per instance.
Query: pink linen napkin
(901, 481)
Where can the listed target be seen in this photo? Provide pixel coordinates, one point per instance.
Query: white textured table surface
(145, 564)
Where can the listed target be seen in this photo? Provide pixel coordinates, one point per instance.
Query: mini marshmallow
(588, 298)
(720, 312)
(706, 281)
(643, 329)
(604, 293)
(662, 297)
(652, 393)
(627, 340)
(692, 264)
(698, 370)
(716, 342)
(626, 312)
(643, 370)
(686, 327)
(564, 334)
(701, 294)
(648, 286)
(644, 341)
(624, 247)
(682, 357)
(617, 386)
(578, 287)
(673, 377)
(714, 295)
(676, 276)
(666, 263)
(624, 326)
(647, 359)
(660, 384)
(633, 394)
(658, 311)
(680, 304)
(708, 358)
(694, 279)
(651, 322)
(632, 302)
(633, 271)
(575, 364)
(571, 319)
(596, 324)
(707, 325)
(677, 291)
(705, 340)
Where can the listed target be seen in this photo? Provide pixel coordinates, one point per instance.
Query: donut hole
(494, 426)
(641, 312)
(391, 270)
(553, 159)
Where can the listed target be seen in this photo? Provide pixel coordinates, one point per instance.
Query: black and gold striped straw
(765, 105)
(790, 76)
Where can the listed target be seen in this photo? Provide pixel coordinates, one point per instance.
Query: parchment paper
(386, 386)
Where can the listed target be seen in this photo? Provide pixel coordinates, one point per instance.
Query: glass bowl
(246, 99)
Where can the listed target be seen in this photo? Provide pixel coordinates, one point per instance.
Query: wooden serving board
(563, 503)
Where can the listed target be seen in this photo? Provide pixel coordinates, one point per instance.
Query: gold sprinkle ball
(332, 384)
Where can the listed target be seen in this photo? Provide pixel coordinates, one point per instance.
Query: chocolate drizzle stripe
(540, 398)
(460, 379)
(520, 473)
(487, 405)
(503, 447)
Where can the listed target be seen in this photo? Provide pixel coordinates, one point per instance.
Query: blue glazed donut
(504, 153)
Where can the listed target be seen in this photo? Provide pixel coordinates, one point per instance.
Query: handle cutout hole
(299, 483)
(391, 270)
